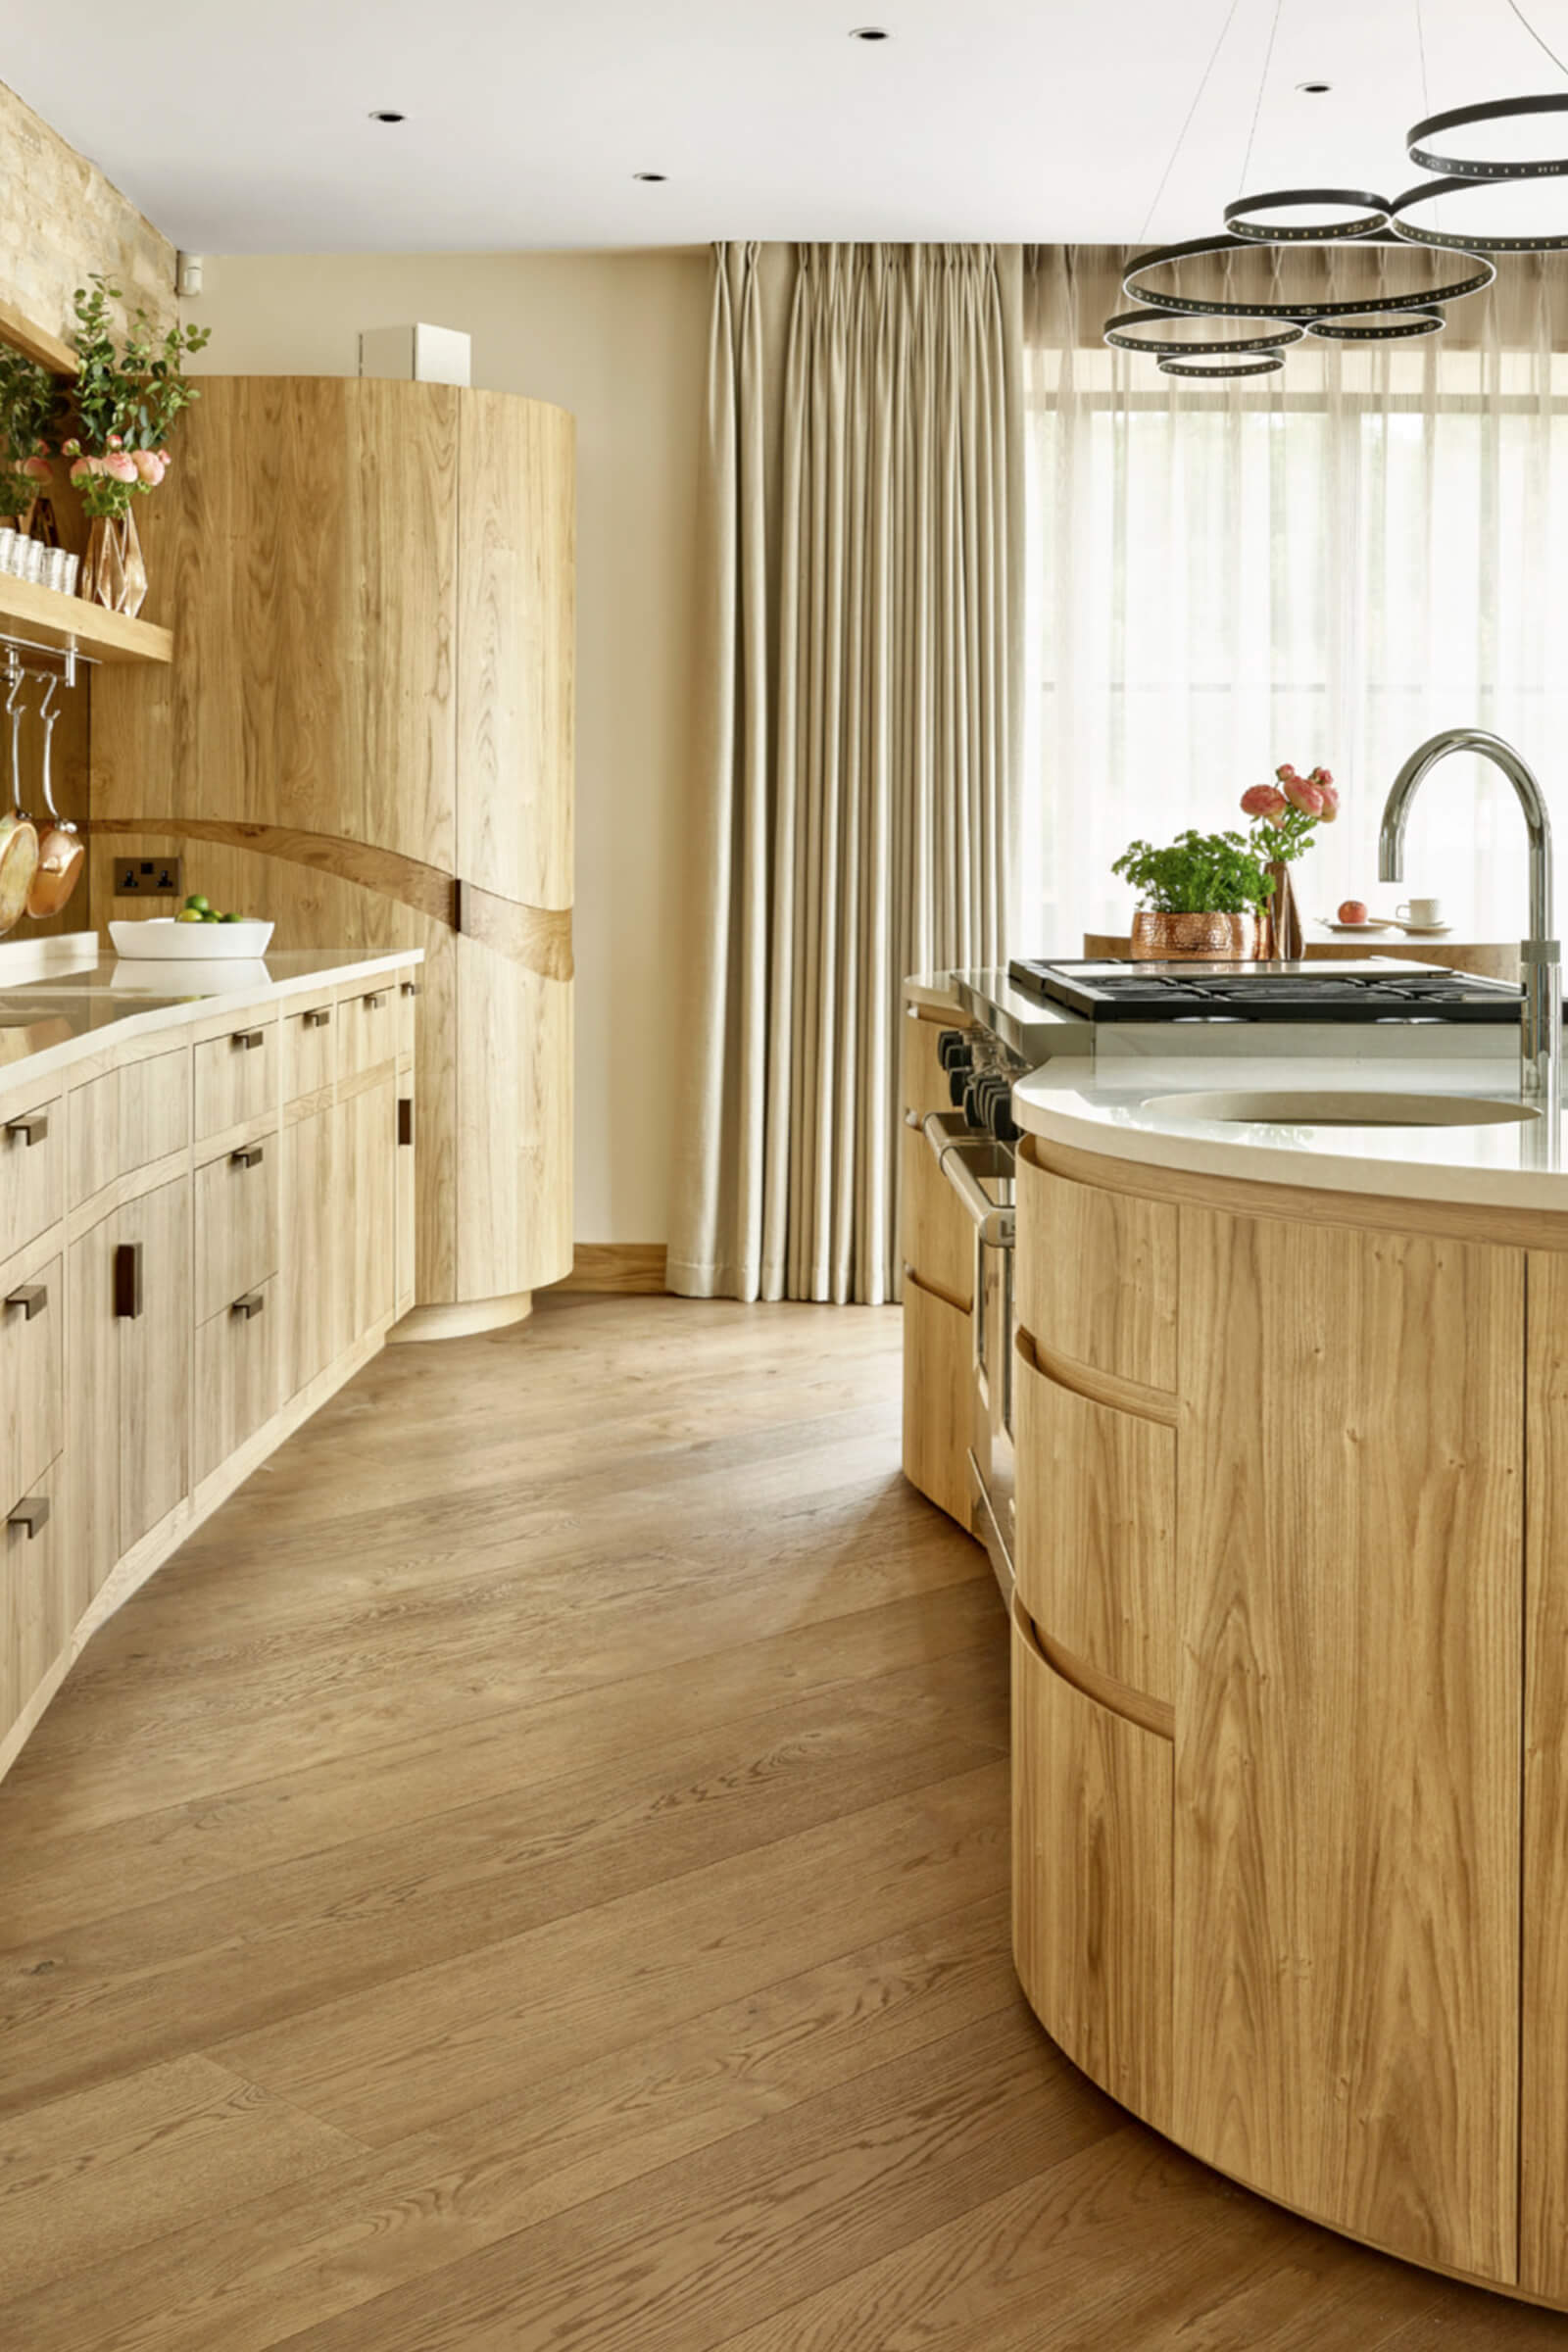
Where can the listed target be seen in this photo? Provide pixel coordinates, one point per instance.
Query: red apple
(1353, 910)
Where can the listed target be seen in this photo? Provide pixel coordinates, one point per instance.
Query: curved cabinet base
(464, 1320)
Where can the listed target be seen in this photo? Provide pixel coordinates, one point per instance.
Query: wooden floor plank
(532, 1871)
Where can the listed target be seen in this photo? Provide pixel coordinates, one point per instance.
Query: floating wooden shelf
(25, 335)
(47, 619)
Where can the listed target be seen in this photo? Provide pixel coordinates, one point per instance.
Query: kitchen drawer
(940, 1400)
(1096, 1501)
(237, 1224)
(369, 1026)
(1093, 1936)
(1096, 1275)
(410, 988)
(31, 1321)
(32, 1160)
(236, 1076)
(35, 1618)
(126, 1120)
(310, 1048)
(236, 1375)
(936, 1234)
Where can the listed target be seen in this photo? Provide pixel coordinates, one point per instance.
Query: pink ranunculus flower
(37, 469)
(82, 469)
(120, 465)
(115, 441)
(150, 464)
(1285, 772)
(1265, 801)
(1305, 796)
(1330, 799)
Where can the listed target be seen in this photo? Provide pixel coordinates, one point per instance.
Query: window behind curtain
(1325, 566)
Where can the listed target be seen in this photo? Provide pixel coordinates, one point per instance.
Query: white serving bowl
(160, 936)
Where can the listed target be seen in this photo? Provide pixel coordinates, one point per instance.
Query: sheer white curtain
(1322, 566)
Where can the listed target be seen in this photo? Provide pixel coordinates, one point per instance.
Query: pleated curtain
(862, 536)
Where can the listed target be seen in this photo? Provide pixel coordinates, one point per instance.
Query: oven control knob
(1003, 1126)
(987, 1090)
(953, 1049)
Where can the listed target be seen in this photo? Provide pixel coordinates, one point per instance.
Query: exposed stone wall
(60, 219)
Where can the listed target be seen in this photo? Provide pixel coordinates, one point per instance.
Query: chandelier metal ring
(1371, 215)
(1392, 326)
(1274, 337)
(1136, 289)
(1490, 110)
(1267, 365)
(1467, 241)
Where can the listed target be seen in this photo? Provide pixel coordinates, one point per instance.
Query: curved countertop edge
(51, 996)
(1106, 1112)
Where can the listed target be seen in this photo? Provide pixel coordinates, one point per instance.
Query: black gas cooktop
(1287, 991)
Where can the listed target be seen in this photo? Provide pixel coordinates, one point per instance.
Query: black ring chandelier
(1135, 289)
(1267, 365)
(1273, 338)
(1490, 110)
(1368, 214)
(1478, 241)
(1389, 326)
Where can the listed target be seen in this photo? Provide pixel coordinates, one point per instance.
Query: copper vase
(1195, 937)
(115, 574)
(1284, 942)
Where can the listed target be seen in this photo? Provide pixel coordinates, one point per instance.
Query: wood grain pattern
(236, 1214)
(32, 1175)
(49, 619)
(1095, 1557)
(236, 1079)
(1091, 1897)
(1096, 1275)
(328, 738)
(153, 1440)
(623, 1269)
(938, 1398)
(33, 1598)
(32, 1371)
(1348, 1807)
(238, 1361)
(516, 626)
(1544, 1988)
(37, 342)
(670, 1881)
(936, 1236)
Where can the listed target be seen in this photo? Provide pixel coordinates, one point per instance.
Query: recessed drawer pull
(374, 1000)
(32, 1512)
(405, 1118)
(128, 1281)
(319, 1018)
(253, 1304)
(411, 988)
(249, 1039)
(248, 1156)
(32, 1298)
(32, 1127)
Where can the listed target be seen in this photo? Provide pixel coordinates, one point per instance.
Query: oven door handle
(957, 1149)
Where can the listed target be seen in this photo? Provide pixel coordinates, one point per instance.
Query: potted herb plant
(127, 397)
(1203, 897)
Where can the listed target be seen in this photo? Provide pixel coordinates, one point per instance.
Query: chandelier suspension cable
(1262, 85)
(1187, 125)
(1541, 42)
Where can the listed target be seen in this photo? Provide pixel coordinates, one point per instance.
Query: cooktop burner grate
(1162, 992)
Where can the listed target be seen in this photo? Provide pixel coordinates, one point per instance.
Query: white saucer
(1358, 930)
(1424, 930)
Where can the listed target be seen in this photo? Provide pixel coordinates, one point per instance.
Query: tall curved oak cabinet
(367, 734)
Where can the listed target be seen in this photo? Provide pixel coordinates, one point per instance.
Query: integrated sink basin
(1323, 1107)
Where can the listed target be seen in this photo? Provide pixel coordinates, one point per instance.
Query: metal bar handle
(249, 1039)
(253, 1304)
(32, 1127)
(248, 1156)
(319, 1016)
(32, 1512)
(32, 1298)
(996, 1227)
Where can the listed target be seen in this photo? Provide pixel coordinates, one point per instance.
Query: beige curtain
(862, 540)
(1324, 565)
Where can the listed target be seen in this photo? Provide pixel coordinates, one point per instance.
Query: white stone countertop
(1131, 1107)
(77, 1007)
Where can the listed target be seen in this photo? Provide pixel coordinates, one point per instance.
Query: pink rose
(1263, 800)
(1331, 803)
(1305, 795)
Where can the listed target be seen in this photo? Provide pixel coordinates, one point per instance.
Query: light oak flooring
(532, 1873)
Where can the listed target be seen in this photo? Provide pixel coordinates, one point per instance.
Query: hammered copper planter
(1195, 937)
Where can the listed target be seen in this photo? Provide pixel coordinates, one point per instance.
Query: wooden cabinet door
(316, 1245)
(371, 1132)
(408, 1213)
(35, 1625)
(938, 1390)
(92, 1411)
(155, 1356)
(1348, 1726)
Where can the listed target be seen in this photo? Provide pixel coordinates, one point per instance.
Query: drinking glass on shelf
(8, 540)
(61, 570)
(34, 560)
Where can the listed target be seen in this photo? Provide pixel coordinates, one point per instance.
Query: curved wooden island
(1291, 1652)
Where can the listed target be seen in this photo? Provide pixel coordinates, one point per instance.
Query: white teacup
(1422, 914)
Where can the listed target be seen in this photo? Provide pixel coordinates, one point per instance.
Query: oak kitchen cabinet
(206, 1230)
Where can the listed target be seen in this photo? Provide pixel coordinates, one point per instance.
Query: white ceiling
(245, 127)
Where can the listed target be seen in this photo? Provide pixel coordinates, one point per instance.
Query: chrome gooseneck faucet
(1541, 1033)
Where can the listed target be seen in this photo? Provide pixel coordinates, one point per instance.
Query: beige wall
(60, 219)
(620, 340)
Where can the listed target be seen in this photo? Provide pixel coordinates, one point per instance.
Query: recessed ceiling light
(386, 114)
(651, 175)
(1314, 89)
(871, 32)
